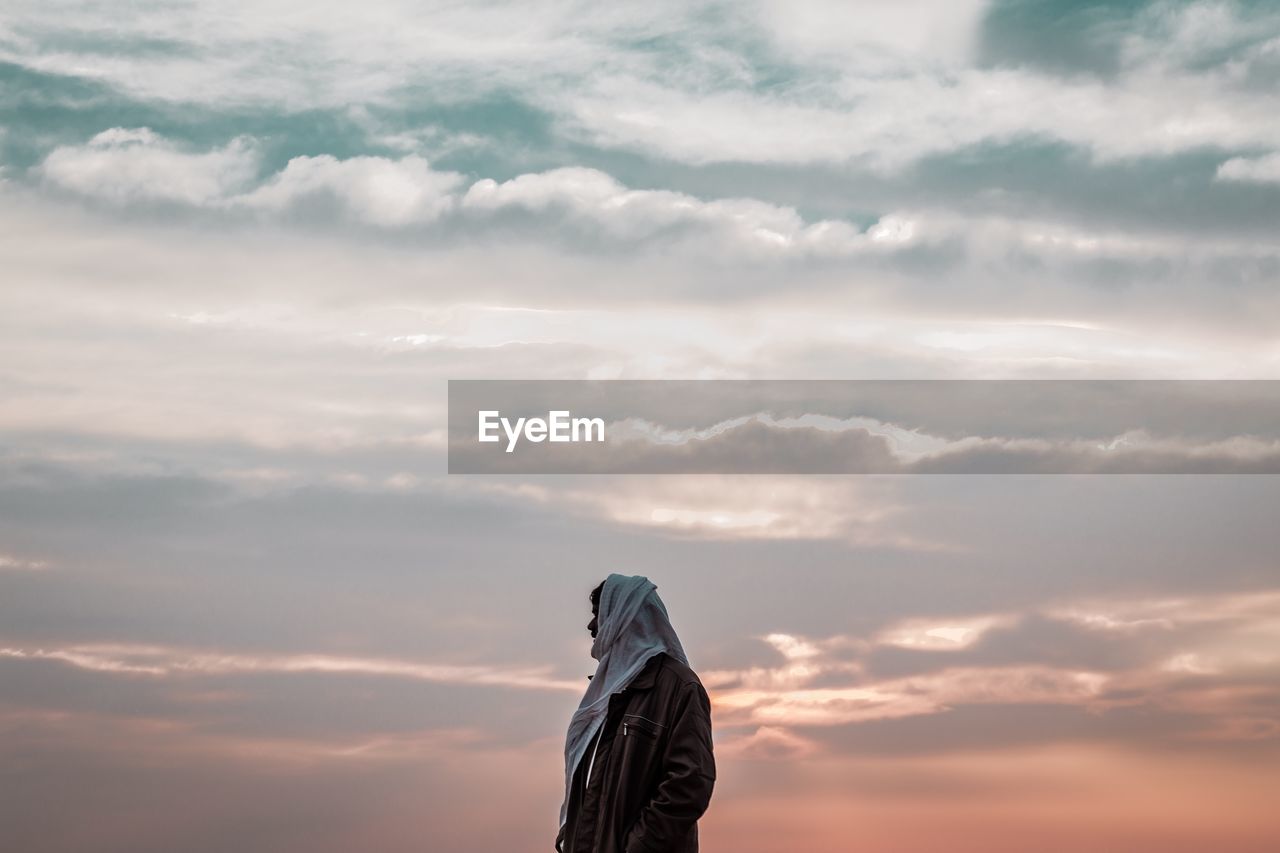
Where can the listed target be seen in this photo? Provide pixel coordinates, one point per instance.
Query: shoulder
(675, 673)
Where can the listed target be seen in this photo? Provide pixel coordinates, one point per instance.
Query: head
(594, 625)
(628, 617)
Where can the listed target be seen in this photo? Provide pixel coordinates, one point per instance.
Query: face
(594, 624)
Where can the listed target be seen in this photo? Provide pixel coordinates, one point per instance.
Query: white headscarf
(631, 627)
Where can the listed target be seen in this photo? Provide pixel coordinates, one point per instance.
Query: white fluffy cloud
(374, 189)
(1254, 169)
(866, 83)
(129, 165)
(594, 201)
(124, 165)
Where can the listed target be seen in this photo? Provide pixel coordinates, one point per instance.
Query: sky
(246, 244)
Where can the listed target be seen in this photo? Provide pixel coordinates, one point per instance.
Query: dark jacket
(653, 772)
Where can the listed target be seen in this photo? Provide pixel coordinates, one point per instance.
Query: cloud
(767, 743)
(585, 210)
(886, 125)
(867, 31)
(224, 409)
(944, 634)
(373, 788)
(891, 699)
(739, 83)
(758, 444)
(376, 190)
(1251, 169)
(754, 509)
(217, 334)
(597, 203)
(11, 563)
(824, 625)
(162, 661)
(122, 166)
(1214, 663)
(1167, 613)
(1230, 37)
(128, 165)
(1208, 635)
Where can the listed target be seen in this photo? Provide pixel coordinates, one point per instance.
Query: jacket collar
(645, 679)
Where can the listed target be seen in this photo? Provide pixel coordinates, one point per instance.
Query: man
(638, 763)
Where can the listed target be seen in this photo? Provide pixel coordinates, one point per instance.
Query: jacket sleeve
(688, 774)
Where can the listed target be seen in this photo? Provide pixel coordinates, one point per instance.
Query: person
(639, 767)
